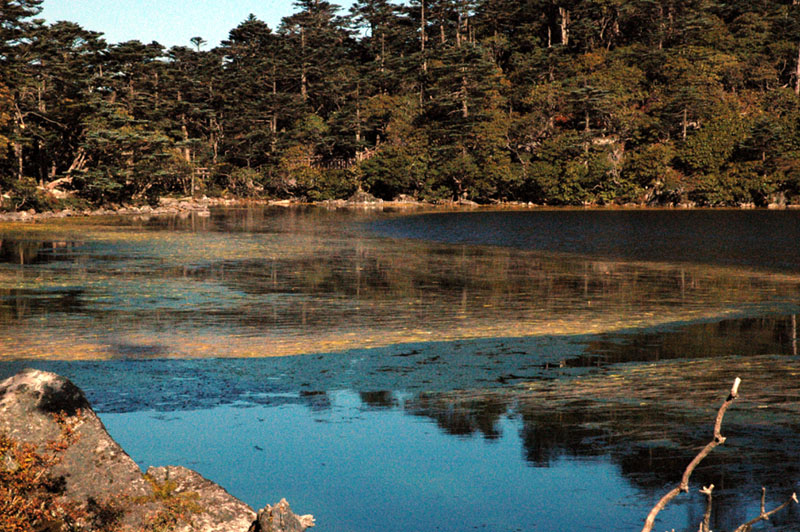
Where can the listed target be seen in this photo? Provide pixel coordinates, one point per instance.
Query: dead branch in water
(765, 515)
(705, 526)
(718, 439)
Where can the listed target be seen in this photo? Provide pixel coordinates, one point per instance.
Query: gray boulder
(93, 465)
(280, 518)
(95, 474)
(222, 511)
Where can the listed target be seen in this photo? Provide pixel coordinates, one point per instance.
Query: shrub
(25, 194)
(29, 494)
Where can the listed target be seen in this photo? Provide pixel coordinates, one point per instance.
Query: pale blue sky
(170, 22)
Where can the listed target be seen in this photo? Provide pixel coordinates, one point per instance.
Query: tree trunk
(156, 95)
(685, 121)
(464, 92)
(40, 90)
(19, 158)
(19, 127)
(215, 136)
(564, 13)
(383, 62)
(423, 37)
(358, 113)
(187, 154)
(383, 51)
(131, 96)
(40, 163)
(797, 73)
(303, 77)
(273, 124)
(458, 32)
(79, 162)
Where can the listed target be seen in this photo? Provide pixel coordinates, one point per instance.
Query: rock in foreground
(61, 470)
(279, 518)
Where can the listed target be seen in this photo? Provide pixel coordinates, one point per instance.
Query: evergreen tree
(553, 101)
(16, 30)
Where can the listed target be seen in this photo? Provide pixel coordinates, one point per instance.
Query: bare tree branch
(765, 515)
(684, 484)
(705, 526)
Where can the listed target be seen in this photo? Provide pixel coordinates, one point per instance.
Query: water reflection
(463, 418)
(652, 439)
(562, 427)
(391, 471)
(22, 252)
(507, 367)
(643, 420)
(755, 239)
(265, 282)
(763, 335)
(382, 399)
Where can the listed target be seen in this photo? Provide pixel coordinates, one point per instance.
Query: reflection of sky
(461, 441)
(363, 470)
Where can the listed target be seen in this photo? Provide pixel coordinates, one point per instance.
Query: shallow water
(499, 371)
(277, 282)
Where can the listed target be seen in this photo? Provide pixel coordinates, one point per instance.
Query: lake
(494, 370)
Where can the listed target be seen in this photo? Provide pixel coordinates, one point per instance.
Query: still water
(545, 370)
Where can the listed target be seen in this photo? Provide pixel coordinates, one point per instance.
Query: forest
(554, 102)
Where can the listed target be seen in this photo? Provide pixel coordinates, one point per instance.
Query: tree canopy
(561, 102)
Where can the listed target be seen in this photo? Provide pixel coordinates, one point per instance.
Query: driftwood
(718, 439)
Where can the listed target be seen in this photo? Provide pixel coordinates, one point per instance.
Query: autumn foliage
(29, 493)
(32, 497)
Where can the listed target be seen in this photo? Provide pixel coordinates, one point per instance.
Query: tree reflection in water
(584, 356)
(265, 282)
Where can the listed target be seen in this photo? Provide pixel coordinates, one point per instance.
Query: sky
(170, 22)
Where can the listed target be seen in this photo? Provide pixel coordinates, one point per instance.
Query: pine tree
(16, 30)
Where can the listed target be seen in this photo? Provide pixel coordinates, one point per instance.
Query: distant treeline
(547, 101)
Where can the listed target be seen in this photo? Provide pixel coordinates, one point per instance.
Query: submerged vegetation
(545, 101)
(279, 281)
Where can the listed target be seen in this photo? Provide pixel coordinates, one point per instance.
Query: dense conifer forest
(559, 102)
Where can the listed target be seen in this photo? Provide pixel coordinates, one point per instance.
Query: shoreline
(201, 206)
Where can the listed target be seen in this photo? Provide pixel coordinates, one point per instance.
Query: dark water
(531, 371)
(756, 239)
